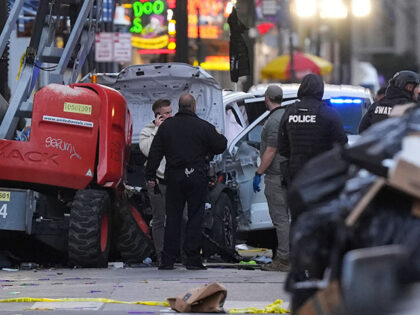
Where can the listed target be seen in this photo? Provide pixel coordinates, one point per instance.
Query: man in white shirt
(162, 109)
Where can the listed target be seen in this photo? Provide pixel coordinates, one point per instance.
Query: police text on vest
(302, 118)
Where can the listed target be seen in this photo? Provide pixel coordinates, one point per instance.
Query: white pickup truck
(232, 205)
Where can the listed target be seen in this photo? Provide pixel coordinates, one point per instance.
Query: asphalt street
(245, 289)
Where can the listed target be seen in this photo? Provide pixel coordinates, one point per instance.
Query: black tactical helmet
(402, 78)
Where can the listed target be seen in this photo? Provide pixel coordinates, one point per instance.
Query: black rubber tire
(224, 222)
(133, 242)
(223, 231)
(89, 229)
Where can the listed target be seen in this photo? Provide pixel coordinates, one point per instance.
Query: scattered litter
(96, 291)
(248, 265)
(241, 247)
(251, 262)
(263, 259)
(275, 307)
(9, 269)
(14, 292)
(29, 284)
(55, 283)
(90, 282)
(147, 261)
(44, 279)
(254, 252)
(116, 264)
(7, 280)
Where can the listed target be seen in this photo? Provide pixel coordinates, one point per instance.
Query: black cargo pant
(184, 186)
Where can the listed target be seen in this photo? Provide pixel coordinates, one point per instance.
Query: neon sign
(153, 26)
(219, 63)
(211, 17)
(150, 43)
(146, 8)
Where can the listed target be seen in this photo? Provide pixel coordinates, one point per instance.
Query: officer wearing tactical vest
(274, 190)
(403, 88)
(308, 127)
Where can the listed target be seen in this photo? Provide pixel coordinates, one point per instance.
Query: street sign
(269, 7)
(104, 47)
(122, 47)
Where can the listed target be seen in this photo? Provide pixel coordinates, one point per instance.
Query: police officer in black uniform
(308, 127)
(402, 89)
(186, 141)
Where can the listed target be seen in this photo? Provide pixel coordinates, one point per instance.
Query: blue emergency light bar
(344, 100)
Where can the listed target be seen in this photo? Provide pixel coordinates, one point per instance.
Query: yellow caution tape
(272, 308)
(32, 300)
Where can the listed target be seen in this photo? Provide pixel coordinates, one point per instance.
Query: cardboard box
(406, 177)
(406, 173)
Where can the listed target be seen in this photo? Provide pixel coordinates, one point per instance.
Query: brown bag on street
(207, 299)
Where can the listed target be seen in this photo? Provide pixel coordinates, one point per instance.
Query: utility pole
(291, 48)
(4, 60)
(199, 41)
(181, 16)
(107, 26)
(346, 49)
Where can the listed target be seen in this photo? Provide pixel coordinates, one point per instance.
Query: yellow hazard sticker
(78, 108)
(4, 196)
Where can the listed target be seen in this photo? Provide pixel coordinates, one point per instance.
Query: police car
(246, 114)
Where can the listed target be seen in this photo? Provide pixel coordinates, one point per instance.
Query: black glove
(156, 189)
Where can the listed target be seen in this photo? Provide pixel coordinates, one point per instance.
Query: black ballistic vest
(307, 135)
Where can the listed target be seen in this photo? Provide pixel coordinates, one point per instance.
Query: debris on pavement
(205, 299)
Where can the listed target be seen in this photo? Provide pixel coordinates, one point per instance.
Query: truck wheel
(133, 241)
(89, 229)
(223, 229)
